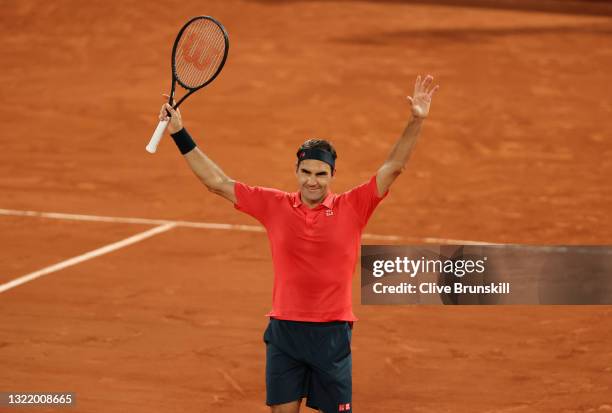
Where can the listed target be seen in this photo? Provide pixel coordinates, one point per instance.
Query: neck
(312, 204)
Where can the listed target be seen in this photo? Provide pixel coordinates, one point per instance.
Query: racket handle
(157, 135)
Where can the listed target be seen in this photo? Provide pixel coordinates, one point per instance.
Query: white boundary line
(162, 225)
(127, 220)
(147, 221)
(214, 225)
(87, 256)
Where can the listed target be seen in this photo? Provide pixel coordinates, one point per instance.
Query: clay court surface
(517, 149)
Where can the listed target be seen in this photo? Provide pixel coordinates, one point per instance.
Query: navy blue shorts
(311, 360)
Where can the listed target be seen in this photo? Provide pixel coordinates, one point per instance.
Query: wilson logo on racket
(198, 55)
(201, 55)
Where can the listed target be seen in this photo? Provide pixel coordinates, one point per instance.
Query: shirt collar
(328, 202)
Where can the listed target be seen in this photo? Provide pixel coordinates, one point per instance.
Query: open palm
(421, 99)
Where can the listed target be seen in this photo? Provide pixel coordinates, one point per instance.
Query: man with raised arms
(314, 238)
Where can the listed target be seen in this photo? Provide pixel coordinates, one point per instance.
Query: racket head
(199, 53)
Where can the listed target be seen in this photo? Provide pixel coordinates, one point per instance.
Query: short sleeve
(364, 199)
(257, 201)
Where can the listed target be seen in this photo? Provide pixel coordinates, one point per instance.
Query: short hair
(317, 144)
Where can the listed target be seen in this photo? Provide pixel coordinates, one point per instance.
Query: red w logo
(196, 55)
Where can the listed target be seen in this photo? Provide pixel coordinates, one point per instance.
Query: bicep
(227, 190)
(211, 175)
(385, 176)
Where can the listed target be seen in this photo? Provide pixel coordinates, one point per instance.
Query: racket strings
(199, 53)
(201, 70)
(195, 49)
(207, 65)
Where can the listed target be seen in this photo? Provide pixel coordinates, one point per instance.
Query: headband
(318, 154)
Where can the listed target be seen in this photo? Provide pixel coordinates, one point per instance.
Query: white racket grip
(157, 135)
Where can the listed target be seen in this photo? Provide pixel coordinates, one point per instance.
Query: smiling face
(313, 178)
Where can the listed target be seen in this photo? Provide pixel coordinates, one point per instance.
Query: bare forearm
(396, 161)
(205, 169)
(400, 153)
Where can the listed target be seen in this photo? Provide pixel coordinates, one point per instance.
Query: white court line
(127, 220)
(432, 240)
(146, 221)
(213, 225)
(87, 256)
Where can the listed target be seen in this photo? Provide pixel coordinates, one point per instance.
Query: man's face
(313, 176)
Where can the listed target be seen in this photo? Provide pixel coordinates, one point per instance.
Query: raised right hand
(176, 123)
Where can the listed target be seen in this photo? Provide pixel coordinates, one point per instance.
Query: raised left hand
(421, 99)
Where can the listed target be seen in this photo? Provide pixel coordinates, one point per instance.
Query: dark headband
(318, 154)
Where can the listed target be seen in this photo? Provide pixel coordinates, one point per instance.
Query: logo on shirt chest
(329, 213)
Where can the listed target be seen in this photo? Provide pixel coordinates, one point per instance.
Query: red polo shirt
(313, 250)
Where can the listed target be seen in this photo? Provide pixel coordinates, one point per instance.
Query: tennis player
(314, 237)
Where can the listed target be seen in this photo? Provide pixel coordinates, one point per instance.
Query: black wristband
(183, 141)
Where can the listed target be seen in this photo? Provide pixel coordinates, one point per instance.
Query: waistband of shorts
(312, 323)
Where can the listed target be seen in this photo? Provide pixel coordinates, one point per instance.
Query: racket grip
(157, 135)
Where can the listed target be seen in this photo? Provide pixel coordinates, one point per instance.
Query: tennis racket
(198, 55)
